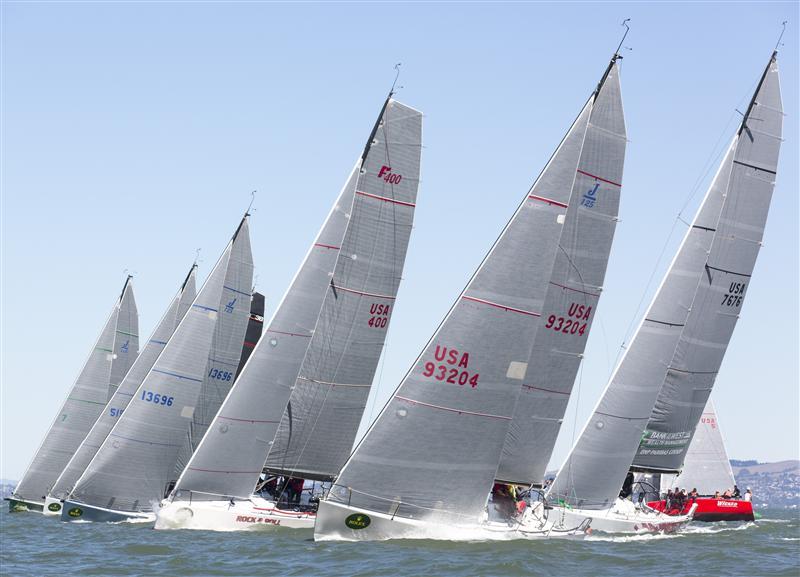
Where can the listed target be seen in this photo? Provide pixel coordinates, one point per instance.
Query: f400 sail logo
(387, 175)
(357, 521)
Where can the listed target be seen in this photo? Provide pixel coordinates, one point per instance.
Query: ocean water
(38, 546)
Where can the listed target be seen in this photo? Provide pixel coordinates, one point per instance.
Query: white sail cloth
(110, 358)
(434, 449)
(319, 426)
(573, 293)
(137, 459)
(672, 343)
(122, 396)
(720, 295)
(706, 467)
(230, 458)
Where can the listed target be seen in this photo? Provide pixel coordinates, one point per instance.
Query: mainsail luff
(721, 293)
(319, 426)
(469, 374)
(706, 466)
(122, 396)
(229, 459)
(595, 468)
(137, 459)
(573, 293)
(80, 409)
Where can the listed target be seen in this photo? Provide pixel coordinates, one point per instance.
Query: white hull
(336, 522)
(254, 514)
(52, 507)
(625, 517)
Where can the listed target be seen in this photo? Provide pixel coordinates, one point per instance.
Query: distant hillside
(773, 484)
(754, 467)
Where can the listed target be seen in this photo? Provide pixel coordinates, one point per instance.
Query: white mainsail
(122, 396)
(679, 344)
(570, 305)
(720, 295)
(111, 357)
(706, 467)
(319, 425)
(433, 451)
(231, 456)
(137, 460)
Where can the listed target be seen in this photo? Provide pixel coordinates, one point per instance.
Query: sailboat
(708, 470)
(428, 462)
(137, 461)
(122, 395)
(297, 404)
(109, 360)
(652, 404)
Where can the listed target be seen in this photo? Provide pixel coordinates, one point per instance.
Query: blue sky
(133, 133)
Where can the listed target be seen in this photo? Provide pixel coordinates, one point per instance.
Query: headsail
(113, 353)
(720, 295)
(137, 459)
(318, 429)
(119, 401)
(230, 457)
(706, 467)
(570, 304)
(435, 447)
(593, 473)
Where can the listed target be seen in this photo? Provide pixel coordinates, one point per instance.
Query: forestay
(724, 283)
(119, 401)
(137, 460)
(706, 467)
(317, 431)
(593, 472)
(572, 296)
(435, 447)
(112, 355)
(230, 457)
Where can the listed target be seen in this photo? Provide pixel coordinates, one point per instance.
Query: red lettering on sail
(448, 374)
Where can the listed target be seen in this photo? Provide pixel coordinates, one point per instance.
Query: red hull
(710, 509)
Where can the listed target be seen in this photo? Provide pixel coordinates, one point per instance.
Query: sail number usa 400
(454, 367)
(379, 316)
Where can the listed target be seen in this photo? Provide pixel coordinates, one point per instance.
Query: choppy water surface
(35, 545)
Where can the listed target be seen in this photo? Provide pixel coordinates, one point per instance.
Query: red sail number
(570, 326)
(453, 373)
